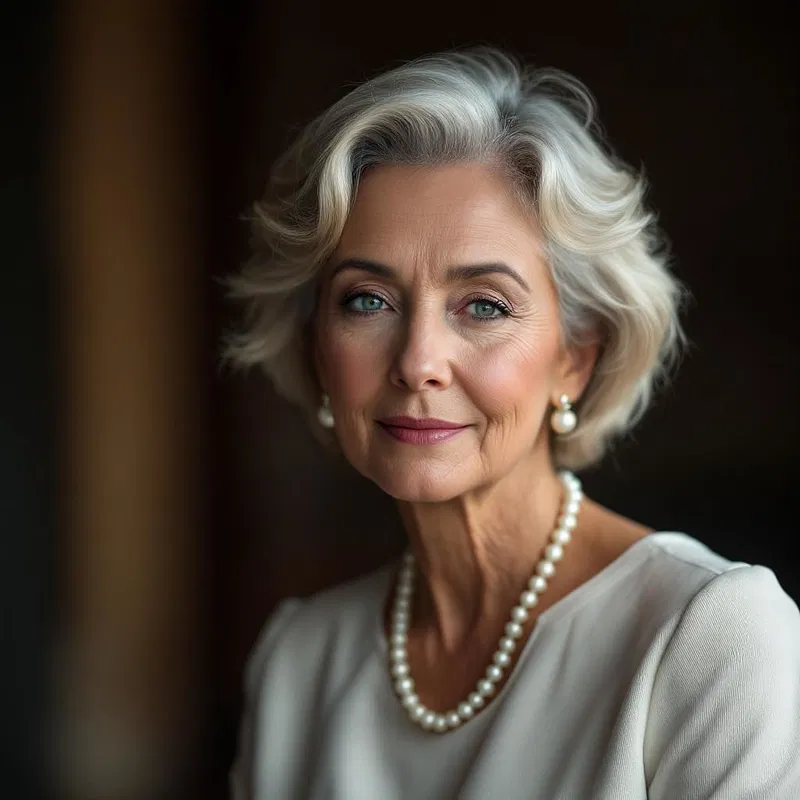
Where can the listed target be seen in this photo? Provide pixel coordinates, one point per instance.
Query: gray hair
(606, 256)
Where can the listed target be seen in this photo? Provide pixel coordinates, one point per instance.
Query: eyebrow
(453, 274)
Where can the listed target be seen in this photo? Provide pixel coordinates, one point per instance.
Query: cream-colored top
(672, 674)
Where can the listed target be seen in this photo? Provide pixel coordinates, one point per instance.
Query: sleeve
(724, 719)
(241, 773)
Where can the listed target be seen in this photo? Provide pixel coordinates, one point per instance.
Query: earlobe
(578, 366)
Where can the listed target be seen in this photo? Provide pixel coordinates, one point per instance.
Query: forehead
(439, 213)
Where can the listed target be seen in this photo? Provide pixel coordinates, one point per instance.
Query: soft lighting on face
(438, 332)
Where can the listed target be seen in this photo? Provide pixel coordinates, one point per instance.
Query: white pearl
(325, 417)
(567, 521)
(403, 600)
(554, 552)
(465, 711)
(545, 568)
(570, 478)
(537, 584)
(400, 670)
(562, 537)
(399, 655)
(564, 421)
(440, 723)
(519, 614)
(493, 673)
(501, 658)
(508, 645)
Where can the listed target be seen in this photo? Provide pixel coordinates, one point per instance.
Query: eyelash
(504, 310)
(348, 298)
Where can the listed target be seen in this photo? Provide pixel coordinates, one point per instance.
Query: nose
(423, 357)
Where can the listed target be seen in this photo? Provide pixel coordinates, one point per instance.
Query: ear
(315, 359)
(576, 365)
(311, 338)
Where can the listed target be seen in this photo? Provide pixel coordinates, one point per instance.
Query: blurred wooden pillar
(131, 686)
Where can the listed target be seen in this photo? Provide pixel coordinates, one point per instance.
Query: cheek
(512, 381)
(354, 365)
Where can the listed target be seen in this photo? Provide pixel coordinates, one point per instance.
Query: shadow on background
(154, 509)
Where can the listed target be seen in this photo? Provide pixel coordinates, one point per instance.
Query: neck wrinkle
(474, 556)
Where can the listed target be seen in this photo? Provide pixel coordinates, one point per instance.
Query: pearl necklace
(486, 687)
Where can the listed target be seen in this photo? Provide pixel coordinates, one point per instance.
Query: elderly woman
(463, 287)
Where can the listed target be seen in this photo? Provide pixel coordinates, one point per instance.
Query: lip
(420, 423)
(413, 430)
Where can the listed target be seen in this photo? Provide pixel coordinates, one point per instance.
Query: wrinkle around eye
(500, 310)
(345, 297)
(365, 298)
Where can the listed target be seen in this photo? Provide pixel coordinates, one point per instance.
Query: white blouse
(672, 674)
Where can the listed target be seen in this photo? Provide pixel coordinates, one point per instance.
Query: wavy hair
(606, 255)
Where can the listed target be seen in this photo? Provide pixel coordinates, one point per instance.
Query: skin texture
(403, 328)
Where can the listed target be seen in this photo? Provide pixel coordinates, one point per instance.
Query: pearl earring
(563, 419)
(324, 414)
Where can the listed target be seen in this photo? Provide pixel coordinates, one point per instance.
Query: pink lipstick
(411, 430)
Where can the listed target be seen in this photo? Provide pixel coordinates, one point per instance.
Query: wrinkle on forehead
(422, 220)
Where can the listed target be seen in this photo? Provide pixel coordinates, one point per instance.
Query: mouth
(415, 430)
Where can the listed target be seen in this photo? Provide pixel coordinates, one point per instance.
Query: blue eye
(487, 309)
(364, 303)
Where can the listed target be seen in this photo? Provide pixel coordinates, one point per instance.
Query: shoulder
(741, 617)
(679, 554)
(341, 620)
(306, 650)
(724, 603)
(725, 702)
(672, 568)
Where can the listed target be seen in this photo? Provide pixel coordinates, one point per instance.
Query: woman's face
(437, 333)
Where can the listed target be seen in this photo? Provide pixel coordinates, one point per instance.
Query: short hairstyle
(607, 258)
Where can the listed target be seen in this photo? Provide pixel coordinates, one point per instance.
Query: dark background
(705, 99)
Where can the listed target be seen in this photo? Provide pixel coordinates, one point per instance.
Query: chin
(421, 486)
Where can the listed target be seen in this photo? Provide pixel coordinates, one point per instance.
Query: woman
(463, 287)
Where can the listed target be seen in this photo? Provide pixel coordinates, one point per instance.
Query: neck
(475, 553)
